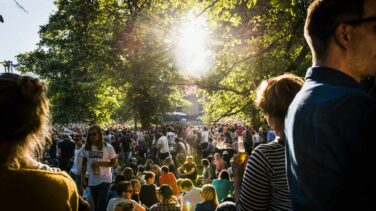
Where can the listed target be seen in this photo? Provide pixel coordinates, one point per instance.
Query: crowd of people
(314, 154)
(119, 159)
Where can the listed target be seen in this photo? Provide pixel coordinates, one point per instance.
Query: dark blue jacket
(330, 150)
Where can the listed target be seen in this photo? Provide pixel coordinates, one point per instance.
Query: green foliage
(258, 40)
(103, 63)
(109, 60)
(76, 55)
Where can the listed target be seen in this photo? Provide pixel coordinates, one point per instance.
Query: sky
(19, 32)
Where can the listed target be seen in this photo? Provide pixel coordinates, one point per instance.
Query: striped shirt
(264, 185)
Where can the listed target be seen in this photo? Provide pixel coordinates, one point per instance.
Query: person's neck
(280, 134)
(337, 64)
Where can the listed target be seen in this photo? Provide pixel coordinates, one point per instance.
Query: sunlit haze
(192, 54)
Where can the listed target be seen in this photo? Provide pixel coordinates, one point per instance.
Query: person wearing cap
(165, 193)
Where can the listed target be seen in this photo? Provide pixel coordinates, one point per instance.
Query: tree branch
(249, 57)
(206, 8)
(302, 54)
(231, 113)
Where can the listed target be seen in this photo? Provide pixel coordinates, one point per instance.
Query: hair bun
(30, 88)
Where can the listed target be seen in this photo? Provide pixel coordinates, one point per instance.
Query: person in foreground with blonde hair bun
(24, 120)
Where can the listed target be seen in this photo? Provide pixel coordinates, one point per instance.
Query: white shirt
(191, 198)
(164, 142)
(94, 155)
(204, 136)
(256, 138)
(77, 163)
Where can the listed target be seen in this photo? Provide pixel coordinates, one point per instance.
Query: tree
(76, 53)
(106, 60)
(259, 40)
(98, 58)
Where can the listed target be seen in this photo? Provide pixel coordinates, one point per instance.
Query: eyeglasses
(92, 134)
(129, 191)
(352, 23)
(360, 21)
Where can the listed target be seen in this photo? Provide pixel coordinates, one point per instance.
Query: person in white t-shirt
(162, 145)
(171, 136)
(98, 158)
(191, 196)
(75, 171)
(255, 138)
(205, 135)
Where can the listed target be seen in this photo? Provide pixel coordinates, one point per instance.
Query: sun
(192, 52)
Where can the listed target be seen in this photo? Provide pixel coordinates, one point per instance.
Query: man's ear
(342, 36)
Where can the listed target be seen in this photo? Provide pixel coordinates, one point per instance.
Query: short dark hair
(141, 168)
(166, 191)
(128, 173)
(148, 175)
(324, 16)
(210, 158)
(205, 162)
(224, 175)
(122, 187)
(186, 183)
(164, 169)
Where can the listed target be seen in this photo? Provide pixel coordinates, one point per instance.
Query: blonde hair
(276, 94)
(209, 194)
(25, 114)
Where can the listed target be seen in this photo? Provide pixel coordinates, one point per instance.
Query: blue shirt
(223, 187)
(330, 144)
(270, 136)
